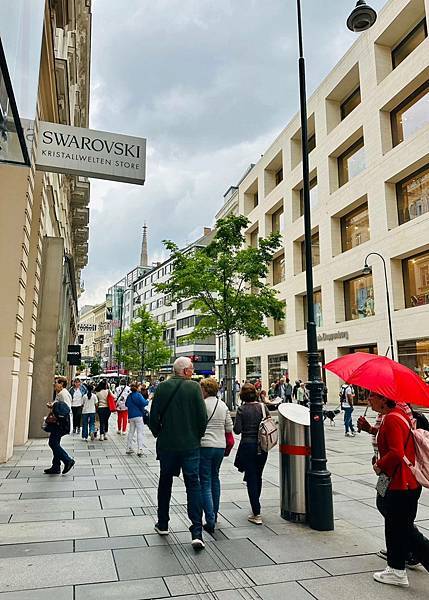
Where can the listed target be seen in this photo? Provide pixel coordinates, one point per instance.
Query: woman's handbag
(268, 434)
(111, 402)
(230, 441)
(49, 422)
(146, 416)
(383, 484)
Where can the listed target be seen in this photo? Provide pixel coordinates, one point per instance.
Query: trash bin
(294, 446)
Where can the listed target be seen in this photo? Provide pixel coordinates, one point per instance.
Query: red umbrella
(382, 376)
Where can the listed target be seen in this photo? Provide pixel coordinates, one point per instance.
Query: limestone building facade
(369, 167)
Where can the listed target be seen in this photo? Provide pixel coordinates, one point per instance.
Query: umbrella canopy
(382, 376)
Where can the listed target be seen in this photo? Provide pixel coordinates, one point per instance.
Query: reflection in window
(311, 143)
(413, 196)
(416, 280)
(253, 368)
(350, 103)
(254, 238)
(411, 115)
(359, 298)
(278, 269)
(352, 162)
(409, 43)
(315, 247)
(317, 303)
(314, 198)
(279, 176)
(414, 354)
(278, 221)
(355, 228)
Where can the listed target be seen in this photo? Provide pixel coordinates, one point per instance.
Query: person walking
(302, 395)
(136, 406)
(288, 390)
(122, 392)
(212, 450)
(398, 492)
(102, 391)
(77, 391)
(60, 409)
(178, 419)
(250, 459)
(296, 388)
(88, 413)
(346, 398)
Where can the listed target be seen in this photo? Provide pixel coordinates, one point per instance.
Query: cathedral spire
(144, 259)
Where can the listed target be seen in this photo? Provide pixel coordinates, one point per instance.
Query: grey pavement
(90, 534)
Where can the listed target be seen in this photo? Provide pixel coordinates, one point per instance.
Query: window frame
(347, 304)
(351, 151)
(406, 279)
(408, 101)
(400, 195)
(406, 39)
(343, 113)
(351, 214)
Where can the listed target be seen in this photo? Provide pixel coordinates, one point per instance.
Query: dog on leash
(330, 414)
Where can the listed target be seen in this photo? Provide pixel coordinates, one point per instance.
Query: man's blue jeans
(59, 454)
(170, 464)
(210, 462)
(348, 424)
(88, 419)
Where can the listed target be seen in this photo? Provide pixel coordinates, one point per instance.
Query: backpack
(268, 434)
(421, 420)
(420, 469)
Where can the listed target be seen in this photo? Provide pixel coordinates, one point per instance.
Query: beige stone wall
(381, 90)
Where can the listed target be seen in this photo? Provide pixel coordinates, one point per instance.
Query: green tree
(227, 284)
(95, 367)
(143, 346)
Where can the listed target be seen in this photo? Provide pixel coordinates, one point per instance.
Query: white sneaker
(392, 577)
(140, 452)
(130, 451)
(198, 544)
(160, 531)
(255, 519)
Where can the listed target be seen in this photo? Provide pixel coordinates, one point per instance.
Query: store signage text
(87, 327)
(90, 153)
(330, 337)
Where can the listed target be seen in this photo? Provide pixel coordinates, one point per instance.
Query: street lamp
(320, 505)
(367, 270)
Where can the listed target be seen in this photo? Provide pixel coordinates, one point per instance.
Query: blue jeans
(348, 423)
(210, 462)
(59, 454)
(170, 464)
(88, 419)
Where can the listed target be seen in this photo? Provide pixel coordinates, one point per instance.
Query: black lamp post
(320, 505)
(367, 270)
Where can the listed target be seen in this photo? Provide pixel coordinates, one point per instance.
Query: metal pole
(120, 330)
(389, 314)
(320, 503)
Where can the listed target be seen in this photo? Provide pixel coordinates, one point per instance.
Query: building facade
(43, 223)
(368, 128)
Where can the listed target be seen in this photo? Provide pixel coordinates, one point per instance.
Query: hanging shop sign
(73, 355)
(87, 327)
(90, 153)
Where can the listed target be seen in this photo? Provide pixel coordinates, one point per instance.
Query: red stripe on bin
(295, 450)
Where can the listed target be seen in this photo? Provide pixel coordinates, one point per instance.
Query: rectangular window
(355, 228)
(278, 269)
(359, 297)
(350, 103)
(254, 238)
(413, 195)
(416, 280)
(279, 327)
(414, 354)
(277, 367)
(277, 221)
(315, 247)
(409, 43)
(279, 176)
(311, 143)
(314, 199)
(317, 303)
(411, 115)
(253, 368)
(351, 162)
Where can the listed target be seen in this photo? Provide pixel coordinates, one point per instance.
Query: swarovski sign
(90, 153)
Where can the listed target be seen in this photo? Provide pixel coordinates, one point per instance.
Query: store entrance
(361, 395)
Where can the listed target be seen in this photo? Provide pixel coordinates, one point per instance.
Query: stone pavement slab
(110, 543)
(38, 571)
(213, 581)
(284, 572)
(36, 548)
(142, 589)
(55, 593)
(350, 565)
(45, 531)
(142, 563)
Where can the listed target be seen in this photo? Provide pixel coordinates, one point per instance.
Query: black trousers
(104, 416)
(77, 416)
(399, 509)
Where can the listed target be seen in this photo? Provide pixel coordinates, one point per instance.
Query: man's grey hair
(182, 363)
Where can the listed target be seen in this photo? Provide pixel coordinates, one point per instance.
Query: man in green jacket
(178, 420)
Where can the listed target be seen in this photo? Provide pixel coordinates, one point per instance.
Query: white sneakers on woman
(392, 577)
(255, 519)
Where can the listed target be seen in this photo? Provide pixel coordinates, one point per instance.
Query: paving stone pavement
(90, 534)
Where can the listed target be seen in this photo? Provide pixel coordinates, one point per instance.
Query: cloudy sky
(210, 84)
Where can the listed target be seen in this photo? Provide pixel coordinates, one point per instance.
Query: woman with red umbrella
(398, 491)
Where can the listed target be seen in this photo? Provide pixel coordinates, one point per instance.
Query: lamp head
(362, 17)
(137, 300)
(367, 270)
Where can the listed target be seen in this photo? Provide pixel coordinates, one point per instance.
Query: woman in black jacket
(250, 459)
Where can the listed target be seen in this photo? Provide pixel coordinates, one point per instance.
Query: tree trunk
(143, 361)
(230, 398)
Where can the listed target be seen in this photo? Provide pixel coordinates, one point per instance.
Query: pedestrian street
(89, 534)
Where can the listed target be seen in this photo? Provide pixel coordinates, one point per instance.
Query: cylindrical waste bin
(294, 446)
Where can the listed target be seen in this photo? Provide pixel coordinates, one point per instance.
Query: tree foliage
(227, 282)
(142, 344)
(95, 367)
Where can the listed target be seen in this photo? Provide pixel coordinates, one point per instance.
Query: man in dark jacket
(178, 420)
